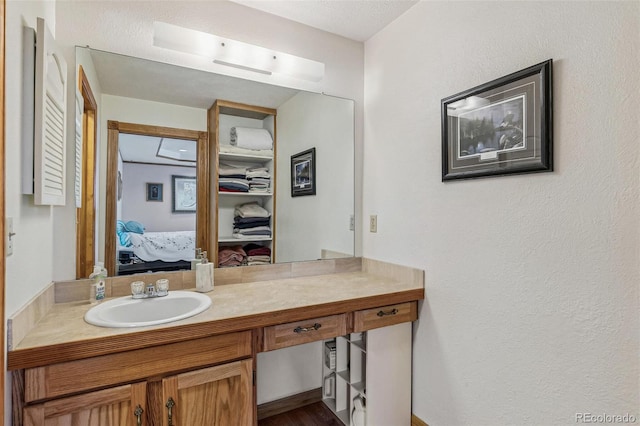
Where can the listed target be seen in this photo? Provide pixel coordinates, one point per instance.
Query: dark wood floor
(316, 414)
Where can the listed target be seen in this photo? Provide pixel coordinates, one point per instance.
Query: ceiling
(354, 19)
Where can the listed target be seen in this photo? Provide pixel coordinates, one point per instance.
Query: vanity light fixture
(235, 53)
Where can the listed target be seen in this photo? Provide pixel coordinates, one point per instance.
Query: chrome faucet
(150, 290)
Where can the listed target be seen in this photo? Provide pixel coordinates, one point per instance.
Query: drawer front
(385, 315)
(296, 333)
(107, 370)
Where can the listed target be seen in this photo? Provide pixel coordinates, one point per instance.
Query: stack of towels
(249, 138)
(250, 221)
(249, 254)
(242, 178)
(257, 254)
(231, 256)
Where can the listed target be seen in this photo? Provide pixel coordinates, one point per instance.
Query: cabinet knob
(314, 327)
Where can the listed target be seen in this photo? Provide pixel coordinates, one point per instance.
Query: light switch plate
(373, 223)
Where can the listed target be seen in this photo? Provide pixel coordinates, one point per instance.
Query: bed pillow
(125, 239)
(133, 226)
(119, 227)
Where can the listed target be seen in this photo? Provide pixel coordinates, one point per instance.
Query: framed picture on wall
(501, 127)
(303, 173)
(154, 192)
(184, 193)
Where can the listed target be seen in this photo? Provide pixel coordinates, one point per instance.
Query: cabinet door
(221, 395)
(119, 406)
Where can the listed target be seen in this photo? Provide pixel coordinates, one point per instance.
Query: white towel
(251, 210)
(245, 137)
(229, 149)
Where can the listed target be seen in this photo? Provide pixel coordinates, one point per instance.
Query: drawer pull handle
(138, 413)
(170, 404)
(314, 327)
(391, 312)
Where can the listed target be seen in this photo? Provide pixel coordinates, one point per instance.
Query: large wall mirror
(157, 155)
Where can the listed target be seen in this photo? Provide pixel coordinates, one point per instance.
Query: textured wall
(531, 310)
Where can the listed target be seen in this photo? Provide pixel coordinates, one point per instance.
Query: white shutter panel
(79, 115)
(50, 120)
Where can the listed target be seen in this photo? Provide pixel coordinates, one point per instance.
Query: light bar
(235, 53)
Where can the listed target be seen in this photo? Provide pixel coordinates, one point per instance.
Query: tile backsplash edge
(22, 321)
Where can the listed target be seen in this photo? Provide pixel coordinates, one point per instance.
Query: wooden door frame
(86, 214)
(2, 207)
(202, 178)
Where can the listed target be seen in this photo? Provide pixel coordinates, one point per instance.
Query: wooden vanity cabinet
(206, 381)
(118, 406)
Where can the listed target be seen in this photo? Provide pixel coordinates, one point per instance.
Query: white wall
(33, 225)
(531, 310)
(156, 216)
(326, 123)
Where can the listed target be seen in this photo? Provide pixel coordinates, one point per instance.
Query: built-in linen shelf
(245, 194)
(344, 374)
(248, 158)
(242, 240)
(359, 388)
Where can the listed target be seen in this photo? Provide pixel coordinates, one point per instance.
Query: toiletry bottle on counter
(204, 275)
(98, 277)
(197, 260)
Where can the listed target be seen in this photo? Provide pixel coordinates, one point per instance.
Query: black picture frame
(303, 173)
(184, 193)
(501, 127)
(154, 191)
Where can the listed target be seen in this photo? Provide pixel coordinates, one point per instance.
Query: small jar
(137, 289)
(162, 287)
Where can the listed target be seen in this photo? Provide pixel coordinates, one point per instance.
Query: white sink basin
(129, 312)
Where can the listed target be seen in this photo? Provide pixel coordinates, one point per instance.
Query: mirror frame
(202, 178)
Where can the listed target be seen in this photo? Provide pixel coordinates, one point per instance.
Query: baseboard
(289, 403)
(416, 421)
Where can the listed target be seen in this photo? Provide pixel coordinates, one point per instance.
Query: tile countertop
(63, 335)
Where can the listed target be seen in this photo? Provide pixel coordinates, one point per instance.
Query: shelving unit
(373, 367)
(222, 116)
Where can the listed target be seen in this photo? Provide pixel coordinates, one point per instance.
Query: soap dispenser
(98, 278)
(204, 274)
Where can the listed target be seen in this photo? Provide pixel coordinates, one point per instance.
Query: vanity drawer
(311, 330)
(385, 315)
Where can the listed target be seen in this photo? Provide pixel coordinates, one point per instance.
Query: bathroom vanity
(202, 370)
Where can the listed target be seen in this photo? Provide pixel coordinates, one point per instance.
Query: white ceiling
(354, 19)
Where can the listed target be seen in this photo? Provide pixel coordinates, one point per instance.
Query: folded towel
(230, 149)
(253, 249)
(256, 230)
(245, 137)
(251, 210)
(232, 170)
(265, 259)
(258, 172)
(264, 222)
(240, 185)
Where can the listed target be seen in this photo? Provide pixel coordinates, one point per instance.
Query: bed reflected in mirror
(156, 207)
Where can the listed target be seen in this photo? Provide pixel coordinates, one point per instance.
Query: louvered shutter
(50, 120)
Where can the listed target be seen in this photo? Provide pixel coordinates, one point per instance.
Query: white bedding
(165, 246)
